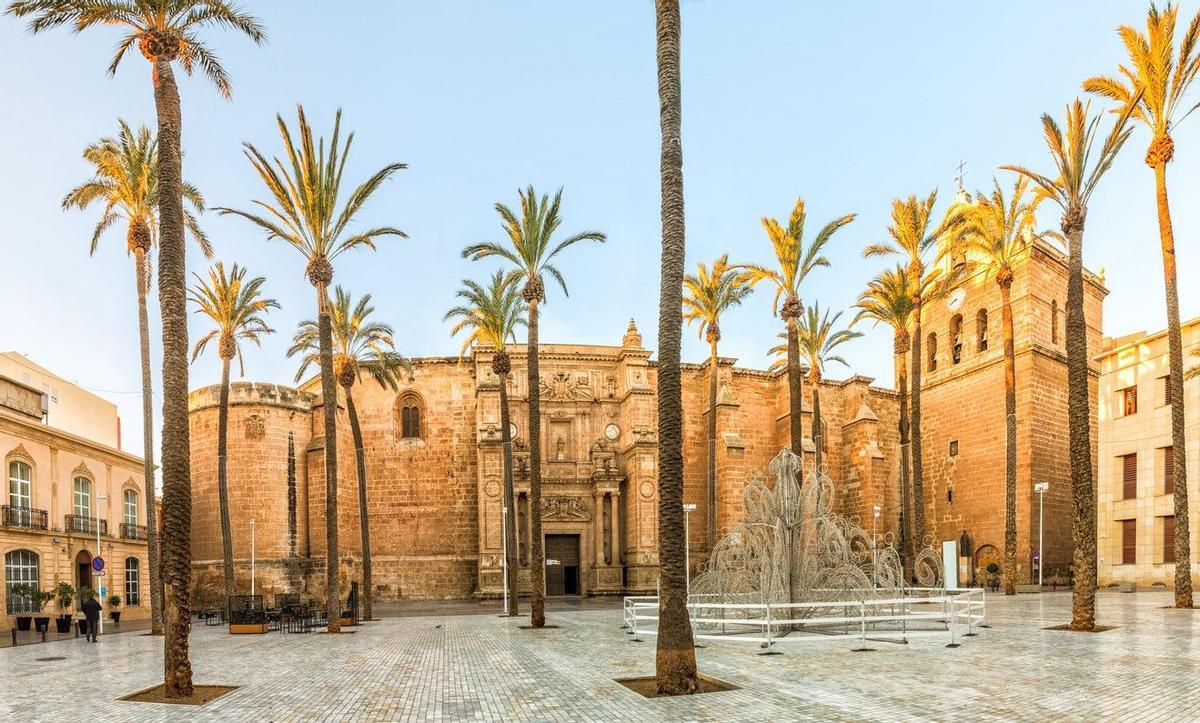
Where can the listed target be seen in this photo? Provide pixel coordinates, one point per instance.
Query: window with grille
(20, 568)
(1169, 540)
(1129, 476)
(1164, 391)
(20, 477)
(130, 507)
(1128, 400)
(1168, 457)
(133, 568)
(83, 497)
(1128, 542)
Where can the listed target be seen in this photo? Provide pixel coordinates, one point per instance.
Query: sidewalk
(33, 637)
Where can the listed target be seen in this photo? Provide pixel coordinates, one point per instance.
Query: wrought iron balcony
(25, 517)
(132, 532)
(86, 525)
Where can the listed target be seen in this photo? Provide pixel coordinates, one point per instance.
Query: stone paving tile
(483, 668)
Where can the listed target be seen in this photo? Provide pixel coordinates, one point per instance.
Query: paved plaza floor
(483, 667)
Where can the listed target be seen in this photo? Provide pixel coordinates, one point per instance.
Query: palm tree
(794, 263)
(164, 31)
(1078, 171)
(492, 314)
(912, 237)
(304, 212)
(818, 345)
(531, 255)
(709, 294)
(888, 300)
(994, 234)
(1163, 78)
(126, 182)
(675, 661)
(236, 308)
(359, 345)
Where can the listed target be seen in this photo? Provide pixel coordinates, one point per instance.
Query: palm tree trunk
(817, 434)
(537, 556)
(675, 662)
(333, 607)
(1183, 551)
(1010, 445)
(176, 450)
(223, 482)
(510, 499)
(902, 373)
(364, 518)
(712, 449)
(795, 395)
(1083, 489)
(918, 476)
(152, 549)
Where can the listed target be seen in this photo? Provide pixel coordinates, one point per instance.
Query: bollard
(14, 636)
(43, 635)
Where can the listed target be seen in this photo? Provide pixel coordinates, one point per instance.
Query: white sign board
(950, 564)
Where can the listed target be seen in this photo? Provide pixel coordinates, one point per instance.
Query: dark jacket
(91, 609)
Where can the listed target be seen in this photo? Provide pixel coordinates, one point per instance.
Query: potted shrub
(114, 602)
(66, 595)
(40, 598)
(993, 570)
(83, 594)
(23, 590)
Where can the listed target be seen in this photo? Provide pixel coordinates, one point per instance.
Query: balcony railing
(25, 517)
(86, 525)
(132, 532)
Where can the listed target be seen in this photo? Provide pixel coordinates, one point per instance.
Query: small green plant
(114, 601)
(65, 594)
(43, 597)
(85, 593)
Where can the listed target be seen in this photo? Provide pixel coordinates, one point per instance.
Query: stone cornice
(36, 432)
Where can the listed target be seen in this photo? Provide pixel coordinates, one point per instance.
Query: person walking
(91, 611)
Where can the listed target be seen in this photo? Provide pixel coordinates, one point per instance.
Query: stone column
(616, 531)
(599, 528)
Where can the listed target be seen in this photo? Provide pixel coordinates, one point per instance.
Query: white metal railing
(923, 613)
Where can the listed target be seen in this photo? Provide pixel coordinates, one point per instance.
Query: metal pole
(1041, 530)
(252, 556)
(504, 555)
(96, 573)
(687, 548)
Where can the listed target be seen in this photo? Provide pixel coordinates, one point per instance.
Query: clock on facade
(612, 431)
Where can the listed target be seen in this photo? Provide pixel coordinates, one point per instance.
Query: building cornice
(59, 439)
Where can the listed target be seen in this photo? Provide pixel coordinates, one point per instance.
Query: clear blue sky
(845, 105)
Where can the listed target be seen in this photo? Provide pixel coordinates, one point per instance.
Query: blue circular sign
(97, 563)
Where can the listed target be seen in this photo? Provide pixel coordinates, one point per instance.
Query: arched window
(20, 478)
(133, 568)
(20, 568)
(931, 352)
(1054, 321)
(981, 331)
(83, 497)
(130, 507)
(956, 339)
(410, 413)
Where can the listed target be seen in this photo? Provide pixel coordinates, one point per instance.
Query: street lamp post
(252, 555)
(96, 574)
(687, 547)
(1041, 488)
(874, 546)
(504, 552)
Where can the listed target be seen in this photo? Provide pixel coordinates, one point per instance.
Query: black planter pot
(40, 624)
(116, 616)
(62, 623)
(24, 622)
(82, 626)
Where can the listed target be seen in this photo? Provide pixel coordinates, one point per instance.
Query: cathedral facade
(433, 456)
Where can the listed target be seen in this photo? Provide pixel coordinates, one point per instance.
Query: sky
(847, 105)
